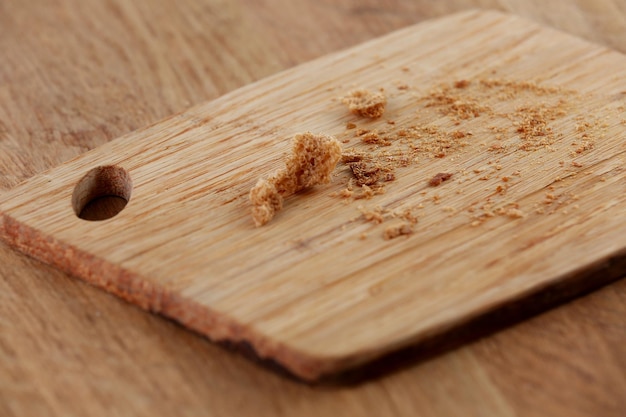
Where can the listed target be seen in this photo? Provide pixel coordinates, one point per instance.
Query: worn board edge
(347, 369)
(136, 290)
(216, 326)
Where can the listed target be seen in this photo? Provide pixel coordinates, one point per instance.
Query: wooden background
(77, 73)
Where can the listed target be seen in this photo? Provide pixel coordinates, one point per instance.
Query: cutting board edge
(221, 328)
(131, 287)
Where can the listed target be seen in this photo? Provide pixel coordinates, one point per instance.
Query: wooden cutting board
(530, 122)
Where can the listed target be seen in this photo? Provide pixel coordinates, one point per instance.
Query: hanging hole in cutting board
(102, 193)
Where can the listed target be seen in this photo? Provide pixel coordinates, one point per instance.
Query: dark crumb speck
(439, 178)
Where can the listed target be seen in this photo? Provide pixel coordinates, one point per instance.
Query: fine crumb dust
(496, 117)
(446, 125)
(313, 158)
(375, 215)
(364, 103)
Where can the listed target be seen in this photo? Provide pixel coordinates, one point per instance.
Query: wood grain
(531, 206)
(68, 349)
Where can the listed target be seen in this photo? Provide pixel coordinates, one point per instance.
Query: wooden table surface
(77, 73)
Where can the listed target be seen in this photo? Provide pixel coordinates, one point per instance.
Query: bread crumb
(391, 232)
(408, 216)
(266, 201)
(373, 138)
(515, 213)
(461, 84)
(364, 103)
(311, 162)
(369, 173)
(350, 125)
(343, 193)
(369, 192)
(351, 157)
(373, 216)
(454, 106)
(439, 178)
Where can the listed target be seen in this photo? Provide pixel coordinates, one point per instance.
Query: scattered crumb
(515, 213)
(394, 231)
(344, 193)
(585, 145)
(454, 106)
(511, 116)
(351, 157)
(311, 162)
(369, 173)
(365, 103)
(369, 192)
(439, 178)
(407, 215)
(373, 216)
(375, 139)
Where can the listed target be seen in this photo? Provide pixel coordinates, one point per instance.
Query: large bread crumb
(312, 161)
(365, 103)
